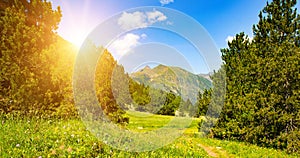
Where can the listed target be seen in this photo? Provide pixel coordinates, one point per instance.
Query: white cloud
(138, 19)
(122, 46)
(144, 36)
(133, 20)
(169, 23)
(164, 2)
(155, 16)
(250, 39)
(230, 38)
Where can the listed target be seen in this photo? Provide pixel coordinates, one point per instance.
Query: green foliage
(171, 104)
(61, 76)
(140, 94)
(187, 109)
(120, 83)
(149, 99)
(104, 89)
(27, 34)
(203, 102)
(262, 100)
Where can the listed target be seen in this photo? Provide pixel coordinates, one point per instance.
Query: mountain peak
(174, 79)
(147, 67)
(160, 67)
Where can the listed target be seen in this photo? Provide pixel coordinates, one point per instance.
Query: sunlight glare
(78, 36)
(78, 22)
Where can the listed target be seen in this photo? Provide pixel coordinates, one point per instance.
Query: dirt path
(215, 151)
(209, 150)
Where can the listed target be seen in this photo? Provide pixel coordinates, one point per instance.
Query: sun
(75, 31)
(78, 20)
(77, 38)
(75, 34)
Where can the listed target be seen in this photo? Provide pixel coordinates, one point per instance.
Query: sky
(167, 26)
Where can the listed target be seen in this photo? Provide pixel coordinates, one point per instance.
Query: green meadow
(24, 137)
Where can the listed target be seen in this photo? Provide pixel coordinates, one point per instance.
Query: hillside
(174, 79)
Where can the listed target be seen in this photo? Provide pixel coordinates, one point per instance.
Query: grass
(23, 137)
(143, 122)
(241, 149)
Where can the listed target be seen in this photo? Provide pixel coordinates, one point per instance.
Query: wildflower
(18, 145)
(61, 147)
(53, 152)
(69, 149)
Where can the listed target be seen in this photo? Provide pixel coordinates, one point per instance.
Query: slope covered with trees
(263, 75)
(169, 78)
(104, 89)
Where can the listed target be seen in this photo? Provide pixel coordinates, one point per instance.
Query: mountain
(174, 79)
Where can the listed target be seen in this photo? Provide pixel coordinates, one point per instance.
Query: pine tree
(120, 87)
(171, 104)
(262, 100)
(203, 102)
(104, 89)
(27, 31)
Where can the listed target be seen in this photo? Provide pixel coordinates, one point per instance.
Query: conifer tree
(262, 100)
(104, 89)
(27, 31)
(203, 102)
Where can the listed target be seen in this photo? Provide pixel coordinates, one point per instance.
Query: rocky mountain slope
(174, 79)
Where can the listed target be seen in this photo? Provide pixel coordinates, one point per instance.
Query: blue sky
(222, 19)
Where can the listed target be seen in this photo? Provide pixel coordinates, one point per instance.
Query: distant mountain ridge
(174, 79)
